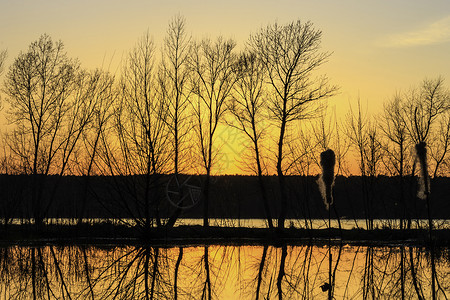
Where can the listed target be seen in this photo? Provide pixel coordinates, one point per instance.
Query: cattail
(424, 180)
(326, 179)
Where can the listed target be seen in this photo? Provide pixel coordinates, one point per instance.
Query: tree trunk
(281, 178)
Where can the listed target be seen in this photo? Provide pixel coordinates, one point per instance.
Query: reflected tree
(177, 272)
(261, 271)
(209, 272)
(281, 271)
(135, 274)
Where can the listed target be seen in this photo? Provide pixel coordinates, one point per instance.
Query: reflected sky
(222, 272)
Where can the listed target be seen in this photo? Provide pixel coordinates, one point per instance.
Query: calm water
(222, 272)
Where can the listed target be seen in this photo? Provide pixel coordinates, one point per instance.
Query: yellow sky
(379, 47)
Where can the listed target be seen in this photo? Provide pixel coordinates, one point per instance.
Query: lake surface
(222, 272)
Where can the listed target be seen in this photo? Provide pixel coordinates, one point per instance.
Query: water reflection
(223, 272)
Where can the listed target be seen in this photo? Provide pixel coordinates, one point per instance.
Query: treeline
(233, 197)
(162, 114)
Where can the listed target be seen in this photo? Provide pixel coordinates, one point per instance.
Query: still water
(223, 272)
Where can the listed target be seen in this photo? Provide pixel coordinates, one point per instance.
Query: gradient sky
(379, 47)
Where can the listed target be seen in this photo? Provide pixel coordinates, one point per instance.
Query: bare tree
(374, 149)
(327, 134)
(104, 95)
(247, 107)
(140, 132)
(357, 128)
(440, 148)
(415, 117)
(85, 161)
(40, 85)
(90, 87)
(174, 79)
(291, 54)
(174, 76)
(424, 106)
(395, 130)
(213, 78)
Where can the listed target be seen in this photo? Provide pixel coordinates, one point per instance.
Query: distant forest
(78, 133)
(232, 197)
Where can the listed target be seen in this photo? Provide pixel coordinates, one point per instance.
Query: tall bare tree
(174, 79)
(291, 54)
(248, 108)
(326, 134)
(395, 130)
(426, 117)
(424, 108)
(357, 130)
(86, 160)
(140, 135)
(212, 65)
(41, 85)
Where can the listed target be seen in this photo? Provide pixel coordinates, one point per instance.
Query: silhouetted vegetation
(87, 144)
(120, 161)
(233, 197)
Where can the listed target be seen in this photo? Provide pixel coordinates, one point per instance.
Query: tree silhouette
(213, 78)
(247, 107)
(291, 55)
(174, 79)
(43, 93)
(140, 119)
(394, 128)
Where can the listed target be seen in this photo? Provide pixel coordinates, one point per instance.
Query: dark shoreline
(231, 197)
(120, 235)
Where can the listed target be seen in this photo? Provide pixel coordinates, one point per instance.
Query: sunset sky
(379, 47)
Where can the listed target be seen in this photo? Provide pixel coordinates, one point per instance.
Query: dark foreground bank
(111, 234)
